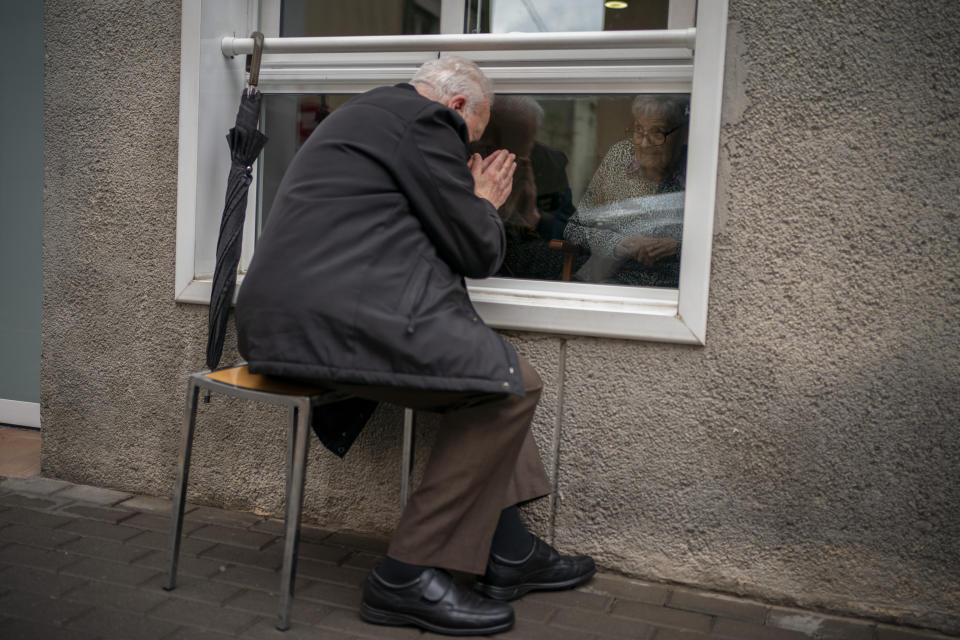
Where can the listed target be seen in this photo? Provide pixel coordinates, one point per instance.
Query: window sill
(554, 307)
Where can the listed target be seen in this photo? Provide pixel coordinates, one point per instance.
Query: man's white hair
(448, 76)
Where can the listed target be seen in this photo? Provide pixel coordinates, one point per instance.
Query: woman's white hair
(448, 76)
(675, 107)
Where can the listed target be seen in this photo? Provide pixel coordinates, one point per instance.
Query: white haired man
(358, 282)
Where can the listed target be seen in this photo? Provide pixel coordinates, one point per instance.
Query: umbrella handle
(254, 60)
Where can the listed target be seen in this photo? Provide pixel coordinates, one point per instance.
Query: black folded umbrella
(245, 141)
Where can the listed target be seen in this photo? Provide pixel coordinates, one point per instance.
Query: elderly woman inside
(631, 216)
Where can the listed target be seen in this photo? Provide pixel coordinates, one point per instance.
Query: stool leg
(295, 477)
(406, 462)
(180, 485)
(291, 442)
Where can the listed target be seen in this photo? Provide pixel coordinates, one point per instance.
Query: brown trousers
(484, 460)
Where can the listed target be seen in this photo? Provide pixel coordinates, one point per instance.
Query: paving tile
(836, 628)
(527, 630)
(113, 572)
(266, 604)
(677, 634)
(266, 629)
(36, 536)
(739, 630)
(600, 624)
(190, 633)
(122, 625)
(35, 484)
(532, 610)
(349, 623)
(187, 565)
(233, 536)
(21, 515)
(40, 608)
(620, 587)
(718, 605)
(361, 560)
(357, 541)
(254, 578)
(210, 515)
(48, 559)
(322, 552)
(267, 559)
(272, 525)
(28, 502)
(307, 533)
(161, 541)
(106, 549)
(576, 598)
(37, 581)
(662, 616)
(159, 523)
(819, 625)
(98, 529)
(331, 594)
(331, 573)
(151, 504)
(888, 632)
(93, 495)
(201, 614)
(12, 629)
(111, 596)
(316, 535)
(193, 588)
(104, 514)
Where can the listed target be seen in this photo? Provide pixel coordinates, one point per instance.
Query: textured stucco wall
(809, 453)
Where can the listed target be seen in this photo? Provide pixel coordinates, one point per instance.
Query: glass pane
(312, 18)
(598, 192)
(532, 16)
(599, 187)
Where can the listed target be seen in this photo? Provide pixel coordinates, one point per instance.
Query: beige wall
(809, 453)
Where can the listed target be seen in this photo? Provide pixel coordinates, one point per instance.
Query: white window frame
(210, 88)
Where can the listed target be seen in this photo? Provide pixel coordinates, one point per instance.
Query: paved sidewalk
(80, 562)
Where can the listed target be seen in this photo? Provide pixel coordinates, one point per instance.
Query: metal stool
(301, 399)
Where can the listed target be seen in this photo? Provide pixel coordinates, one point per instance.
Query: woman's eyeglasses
(655, 137)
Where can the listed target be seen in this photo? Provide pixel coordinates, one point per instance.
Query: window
(610, 222)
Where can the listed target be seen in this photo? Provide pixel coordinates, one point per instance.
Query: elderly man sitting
(358, 282)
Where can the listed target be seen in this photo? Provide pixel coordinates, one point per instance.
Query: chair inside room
(301, 401)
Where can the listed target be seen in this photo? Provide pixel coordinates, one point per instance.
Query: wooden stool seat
(240, 377)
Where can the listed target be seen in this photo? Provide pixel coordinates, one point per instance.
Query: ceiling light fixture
(615, 4)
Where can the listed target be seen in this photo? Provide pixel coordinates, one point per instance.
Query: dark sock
(396, 572)
(511, 540)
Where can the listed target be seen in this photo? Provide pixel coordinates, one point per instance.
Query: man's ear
(457, 103)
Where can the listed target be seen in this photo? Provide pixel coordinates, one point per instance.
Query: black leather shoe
(542, 570)
(433, 602)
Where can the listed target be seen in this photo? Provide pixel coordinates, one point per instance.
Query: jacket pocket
(414, 293)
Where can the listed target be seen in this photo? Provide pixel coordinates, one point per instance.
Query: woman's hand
(646, 251)
(493, 175)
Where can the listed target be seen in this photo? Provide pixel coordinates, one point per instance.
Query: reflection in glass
(533, 16)
(589, 202)
(630, 218)
(310, 18)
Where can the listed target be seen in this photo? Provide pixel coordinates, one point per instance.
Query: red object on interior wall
(311, 112)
